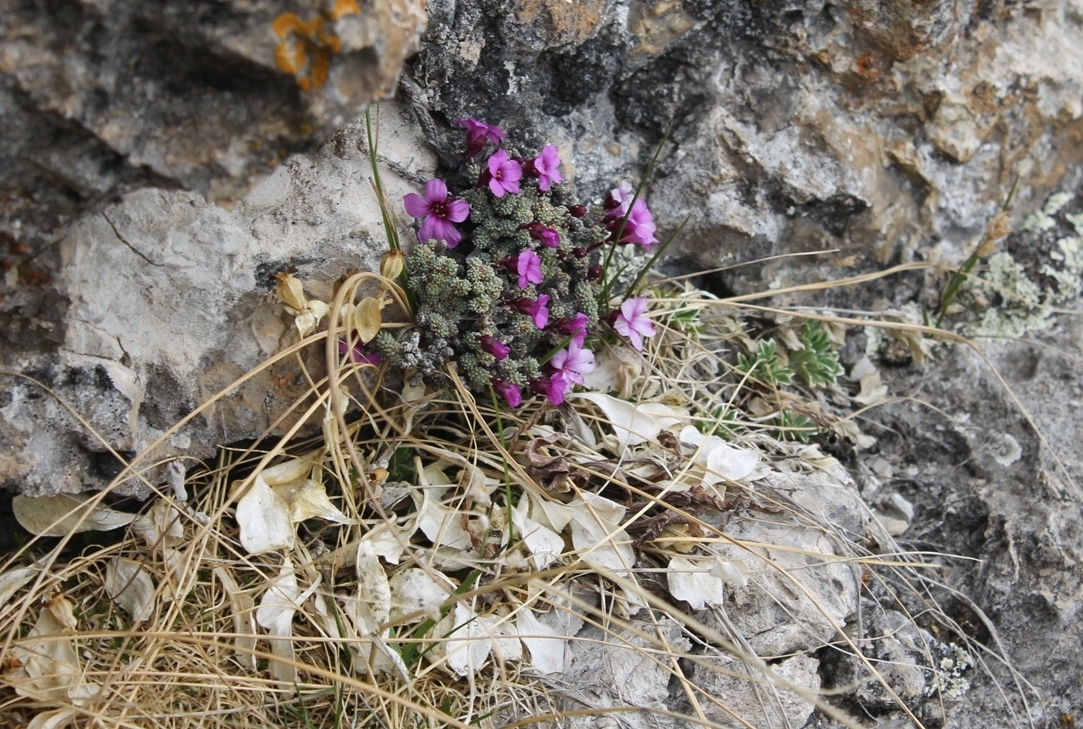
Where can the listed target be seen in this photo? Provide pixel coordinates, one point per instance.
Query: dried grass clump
(446, 563)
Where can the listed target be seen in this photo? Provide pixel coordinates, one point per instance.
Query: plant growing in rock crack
(509, 276)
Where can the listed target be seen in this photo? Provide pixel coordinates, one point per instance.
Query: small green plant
(764, 366)
(818, 363)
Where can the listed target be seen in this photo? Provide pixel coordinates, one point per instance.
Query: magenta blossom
(536, 310)
(618, 200)
(477, 133)
(528, 265)
(440, 211)
(494, 346)
(639, 226)
(632, 323)
(511, 393)
(576, 326)
(555, 386)
(573, 363)
(545, 166)
(504, 174)
(359, 355)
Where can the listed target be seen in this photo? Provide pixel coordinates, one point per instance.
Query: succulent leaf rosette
(508, 276)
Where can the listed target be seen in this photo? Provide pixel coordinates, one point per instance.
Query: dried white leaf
(287, 472)
(504, 637)
(635, 423)
(11, 581)
(370, 606)
(616, 368)
(56, 719)
(162, 525)
(545, 644)
(441, 524)
(264, 520)
(545, 545)
(309, 500)
(414, 590)
(596, 533)
(719, 459)
(243, 608)
(51, 665)
(389, 540)
(275, 613)
(64, 514)
(693, 582)
(130, 587)
(310, 317)
(550, 514)
(463, 646)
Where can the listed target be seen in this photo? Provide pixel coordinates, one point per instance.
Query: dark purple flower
(359, 355)
(632, 323)
(573, 362)
(547, 236)
(504, 174)
(440, 211)
(477, 133)
(545, 165)
(578, 211)
(536, 310)
(595, 272)
(528, 266)
(511, 393)
(494, 346)
(576, 326)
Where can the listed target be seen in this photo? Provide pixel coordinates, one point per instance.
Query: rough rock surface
(170, 299)
(885, 130)
(99, 97)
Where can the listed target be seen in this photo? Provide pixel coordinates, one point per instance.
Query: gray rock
(171, 300)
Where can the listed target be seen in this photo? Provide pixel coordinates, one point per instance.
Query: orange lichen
(305, 48)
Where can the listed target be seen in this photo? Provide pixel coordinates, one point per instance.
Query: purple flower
(440, 211)
(511, 393)
(573, 363)
(477, 133)
(549, 237)
(576, 326)
(494, 346)
(528, 265)
(545, 165)
(504, 174)
(536, 310)
(639, 226)
(359, 355)
(555, 386)
(618, 200)
(632, 323)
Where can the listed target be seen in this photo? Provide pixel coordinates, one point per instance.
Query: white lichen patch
(950, 679)
(1025, 305)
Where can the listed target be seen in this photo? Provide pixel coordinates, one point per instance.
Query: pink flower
(639, 226)
(576, 326)
(477, 133)
(511, 393)
(555, 386)
(440, 211)
(504, 174)
(573, 363)
(528, 265)
(494, 346)
(536, 310)
(545, 165)
(632, 323)
(618, 200)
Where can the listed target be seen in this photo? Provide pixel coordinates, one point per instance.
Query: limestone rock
(171, 300)
(874, 128)
(99, 97)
